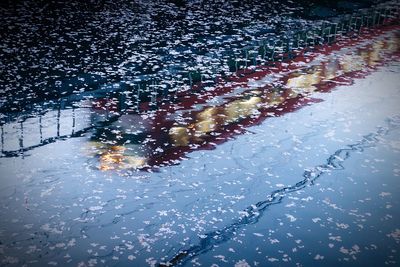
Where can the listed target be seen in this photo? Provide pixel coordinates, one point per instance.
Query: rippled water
(298, 164)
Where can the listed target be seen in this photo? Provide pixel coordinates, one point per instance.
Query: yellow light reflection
(205, 121)
(241, 108)
(212, 119)
(274, 98)
(179, 135)
(114, 158)
(350, 63)
(305, 82)
(111, 158)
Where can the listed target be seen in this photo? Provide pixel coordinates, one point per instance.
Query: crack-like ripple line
(254, 212)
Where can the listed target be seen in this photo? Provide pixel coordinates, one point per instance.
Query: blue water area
(314, 186)
(188, 133)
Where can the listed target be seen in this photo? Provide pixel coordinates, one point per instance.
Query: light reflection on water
(164, 139)
(131, 140)
(62, 209)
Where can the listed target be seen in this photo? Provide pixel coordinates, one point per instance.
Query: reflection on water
(74, 194)
(122, 138)
(165, 138)
(118, 157)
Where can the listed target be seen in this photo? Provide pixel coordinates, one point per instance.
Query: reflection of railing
(181, 72)
(26, 131)
(152, 89)
(16, 129)
(186, 123)
(260, 52)
(281, 47)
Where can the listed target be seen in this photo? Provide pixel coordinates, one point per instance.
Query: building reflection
(158, 138)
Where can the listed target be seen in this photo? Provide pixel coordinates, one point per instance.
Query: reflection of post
(353, 23)
(246, 53)
(331, 36)
(2, 138)
(288, 48)
(335, 32)
(190, 79)
(379, 17)
(273, 52)
(374, 19)
(107, 111)
(297, 40)
(58, 120)
(40, 128)
(361, 23)
(236, 64)
(366, 18)
(322, 31)
(21, 138)
(387, 14)
(73, 120)
(341, 28)
(264, 50)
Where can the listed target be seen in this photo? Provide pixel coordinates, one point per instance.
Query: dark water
(297, 166)
(50, 49)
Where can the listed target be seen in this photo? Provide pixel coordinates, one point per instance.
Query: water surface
(294, 167)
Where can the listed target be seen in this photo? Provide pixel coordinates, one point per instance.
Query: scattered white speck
(242, 263)
(94, 208)
(318, 257)
(291, 217)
